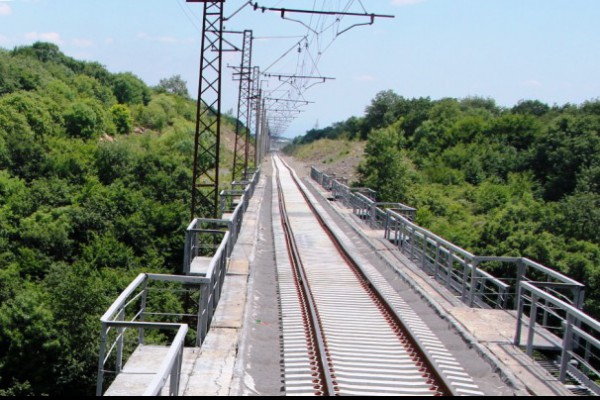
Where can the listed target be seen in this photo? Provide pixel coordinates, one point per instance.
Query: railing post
(176, 374)
(120, 342)
(412, 243)
(187, 257)
(424, 252)
(449, 267)
(387, 226)
(520, 311)
(437, 260)
(465, 279)
(567, 347)
(102, 354)
(372, 216)
(141, 333)
(532, 322)
(503, 303)
(473, 282)
(202, 314)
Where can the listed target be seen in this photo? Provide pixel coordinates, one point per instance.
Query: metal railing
(230, 199)
(462, 272)
(447, 263)
(574, 332)
(551, 301)
(209, 238)
(203, 238)
(135, 312)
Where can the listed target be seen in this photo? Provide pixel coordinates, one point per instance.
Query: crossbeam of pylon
(207, 138)
(244, 115)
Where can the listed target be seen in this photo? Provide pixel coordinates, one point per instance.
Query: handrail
(109, 315)
(438, 256)
(452, 246)
(216, 259)
(114, 318)
(210, 288)
(171, 366)
(577, 342)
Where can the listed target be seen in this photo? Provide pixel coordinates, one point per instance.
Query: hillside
(520, 181)
(95, 177)
(332, 156)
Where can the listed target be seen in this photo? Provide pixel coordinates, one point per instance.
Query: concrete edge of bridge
(544, 385)
(214, 372)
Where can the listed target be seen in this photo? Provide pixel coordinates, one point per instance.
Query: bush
(122, 119)
(81, 121)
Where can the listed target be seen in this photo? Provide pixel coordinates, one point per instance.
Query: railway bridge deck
(259, 343)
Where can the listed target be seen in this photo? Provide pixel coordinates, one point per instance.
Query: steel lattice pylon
(207, 142)
(255, 106)
(244, 114)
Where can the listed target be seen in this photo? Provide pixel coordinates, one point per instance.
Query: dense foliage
(523, 181)
(95, 177)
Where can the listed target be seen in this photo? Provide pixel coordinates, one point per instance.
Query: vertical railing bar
(532, 322)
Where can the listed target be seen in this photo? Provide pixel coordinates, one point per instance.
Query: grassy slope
(332, 156)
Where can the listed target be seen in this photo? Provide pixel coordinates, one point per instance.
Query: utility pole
(244, 115)
(207, 139)
(256, 101)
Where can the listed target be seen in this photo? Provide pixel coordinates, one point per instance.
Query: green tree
(129, 89)
(385, 168)
(531, 107)
(571, 145)
(29, 341)
(173, 85)
(380, 112)
(81, 121)
(122, 119)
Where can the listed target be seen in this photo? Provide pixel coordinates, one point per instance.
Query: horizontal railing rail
(131, 312)
(171, 367)
(460, 271)
(574, 332)
(211, 238)
(551, 301)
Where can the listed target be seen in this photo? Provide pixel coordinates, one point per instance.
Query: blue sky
(505, 49)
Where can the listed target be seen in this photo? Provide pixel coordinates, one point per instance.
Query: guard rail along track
(345, 330)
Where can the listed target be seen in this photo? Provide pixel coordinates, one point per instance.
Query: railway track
(340, 336)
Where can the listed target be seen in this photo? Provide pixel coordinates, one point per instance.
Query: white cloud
(406, 2)
(82, 43)
(52, 37)
(5, 9)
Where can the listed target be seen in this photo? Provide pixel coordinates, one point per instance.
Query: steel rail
(421, 361)
(312, 317)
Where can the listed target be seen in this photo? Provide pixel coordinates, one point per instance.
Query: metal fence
(570, 329)
(542, 297)
(138, 312)
(125, 324)
(464, 273)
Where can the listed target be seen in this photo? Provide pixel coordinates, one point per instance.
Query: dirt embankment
(340, 157)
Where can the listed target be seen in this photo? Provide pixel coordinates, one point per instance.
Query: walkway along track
(340, 336)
